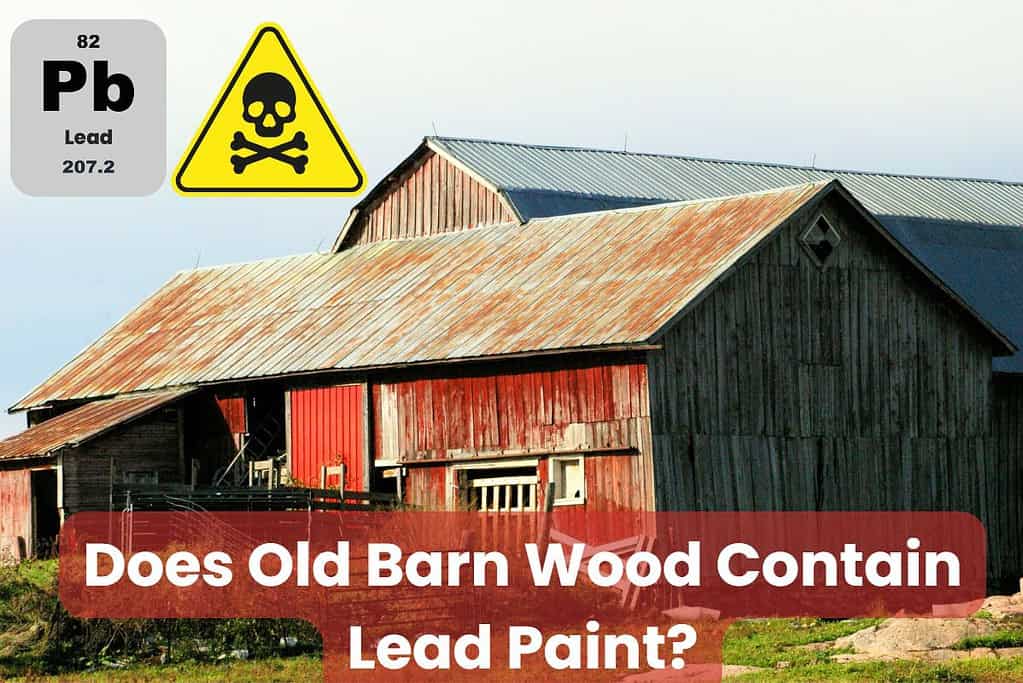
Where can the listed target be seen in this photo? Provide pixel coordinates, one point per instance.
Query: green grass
(765, 642)
(26, 577)
(994, 640)
(303, 668)
(963, 671)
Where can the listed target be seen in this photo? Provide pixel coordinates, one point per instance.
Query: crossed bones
(277, 152)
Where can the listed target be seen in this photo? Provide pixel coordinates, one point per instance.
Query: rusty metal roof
(84, 424)
(585, 281)
(966, 230)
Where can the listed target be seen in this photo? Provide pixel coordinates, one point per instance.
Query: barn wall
(853, 387)
(147, 445)
(438, 420)
(1005, 469)
(15, 514)
(435, 197)
(327, 429)
(614, 483)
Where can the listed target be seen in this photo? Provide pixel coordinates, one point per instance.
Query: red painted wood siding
(465, 416)
(15, 513)
(426, 487)
(614, 483)
(435, 197)
(426, 418)
(327, 429)
(233, 410)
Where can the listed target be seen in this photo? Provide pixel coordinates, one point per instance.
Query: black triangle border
(360, 180)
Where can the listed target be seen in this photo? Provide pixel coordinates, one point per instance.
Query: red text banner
(439, 596)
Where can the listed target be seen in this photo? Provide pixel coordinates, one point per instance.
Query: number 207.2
(88, 166)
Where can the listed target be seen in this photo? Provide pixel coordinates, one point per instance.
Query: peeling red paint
(15, 514)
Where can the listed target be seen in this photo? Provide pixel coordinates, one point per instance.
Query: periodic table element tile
(88, 107)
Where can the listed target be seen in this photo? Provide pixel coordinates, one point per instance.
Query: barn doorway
(265, 418)
(45, 514)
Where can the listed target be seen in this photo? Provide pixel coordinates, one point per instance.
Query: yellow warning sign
(269, 132)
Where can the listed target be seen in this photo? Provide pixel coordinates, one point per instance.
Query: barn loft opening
(490, 488)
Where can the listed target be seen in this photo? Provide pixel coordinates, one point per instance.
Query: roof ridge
(655, 204)
(714, 160)
(660, 205)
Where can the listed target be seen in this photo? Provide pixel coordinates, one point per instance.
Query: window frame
(804, 241)
(552, 476)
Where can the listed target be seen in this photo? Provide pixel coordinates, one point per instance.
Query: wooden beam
(519, 453)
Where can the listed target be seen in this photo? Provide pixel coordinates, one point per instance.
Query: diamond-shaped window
(821, 241)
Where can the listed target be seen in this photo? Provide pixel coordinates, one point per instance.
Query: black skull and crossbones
(269, 105)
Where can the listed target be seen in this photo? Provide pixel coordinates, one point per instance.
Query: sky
(928, 87)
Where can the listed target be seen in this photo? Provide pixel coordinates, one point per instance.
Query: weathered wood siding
(148, 445)
(434, 197)
(1006, 470)
(15, 514)
(856, 386)
(520, 413)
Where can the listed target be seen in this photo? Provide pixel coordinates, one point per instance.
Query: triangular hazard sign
(269, 132)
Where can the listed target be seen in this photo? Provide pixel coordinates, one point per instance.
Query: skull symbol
(269, 101)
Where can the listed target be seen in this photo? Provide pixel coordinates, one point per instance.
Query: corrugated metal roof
(83, 424)
(583, 281)
(631, 175)
(967, 231)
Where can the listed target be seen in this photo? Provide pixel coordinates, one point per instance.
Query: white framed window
(569, 478)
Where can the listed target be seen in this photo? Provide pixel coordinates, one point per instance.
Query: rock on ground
(905, 636)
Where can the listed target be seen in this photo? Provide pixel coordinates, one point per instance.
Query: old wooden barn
(644, 332)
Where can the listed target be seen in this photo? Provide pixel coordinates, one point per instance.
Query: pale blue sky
(913, 86)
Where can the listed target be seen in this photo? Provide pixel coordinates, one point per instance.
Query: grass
(32, 575)
(994, 640)
(963, 671)
(766, 642)
(303, 668)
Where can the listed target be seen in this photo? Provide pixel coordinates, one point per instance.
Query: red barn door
(327, 429)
